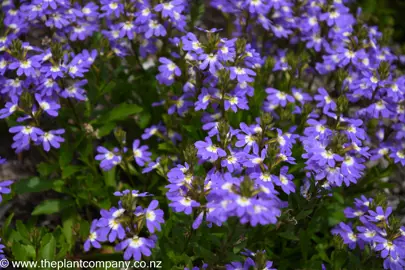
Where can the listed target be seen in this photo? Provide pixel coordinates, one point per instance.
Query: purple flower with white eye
(82, 31)
(135, 247)
(47, 105)
(152, 166)
(49, 3)
(246, 139)
(168, 67)
(347, 234)
(109, 224)
(379, 214)
(191, 43)
(75, 91)
(154, 217)
(141, 153)
(235, 102)
(398, 155)
(26, 66)
(168, 9)
(52, 138)
(113, 7)
(255, 160)
(285, 180)
(231, 161)
(153, 130)
(108, 159)
(183, 204)
(156, 29)
(388, 247)
(397, 263)
(55, 71)
(242, 74)
(168, 71)
(276, 97)
(208, 151)
(205, 97)
(325, 101)
(325, 156)
(5, 188)
(211, 62)
(94, 238)
(26, 133)
(56, 20)
(10, 107)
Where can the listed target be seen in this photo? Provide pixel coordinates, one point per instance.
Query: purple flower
(108, 159)
(141, 153)
(325, 101)
(23, 136)
(183, 204)
(379, 214)
(94, 238)
(155, 29)
(347, 234)
(52, 138)
(242, 74)
(285, 180)
(208, 151)
(10, 107)
(211, 61)
(47, 105)
(26, 66)
(109, 224)
(135, 247)
(5, 188)
(153, 216)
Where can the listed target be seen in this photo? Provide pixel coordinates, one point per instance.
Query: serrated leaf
(51, 206)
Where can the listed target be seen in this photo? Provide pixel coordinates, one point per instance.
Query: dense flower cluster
(125, 224)
(374, 226)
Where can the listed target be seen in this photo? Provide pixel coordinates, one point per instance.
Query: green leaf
(48, 246)
(51, 206)
(303, 214)
(65, 154)
(68, 220)
(69, 171)
(109, 178)
(106, 129)
(22, 252)
(120, 112)
(7, 223)
(288, 235)
(22, 230)
(34, 184)
(45, 169)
